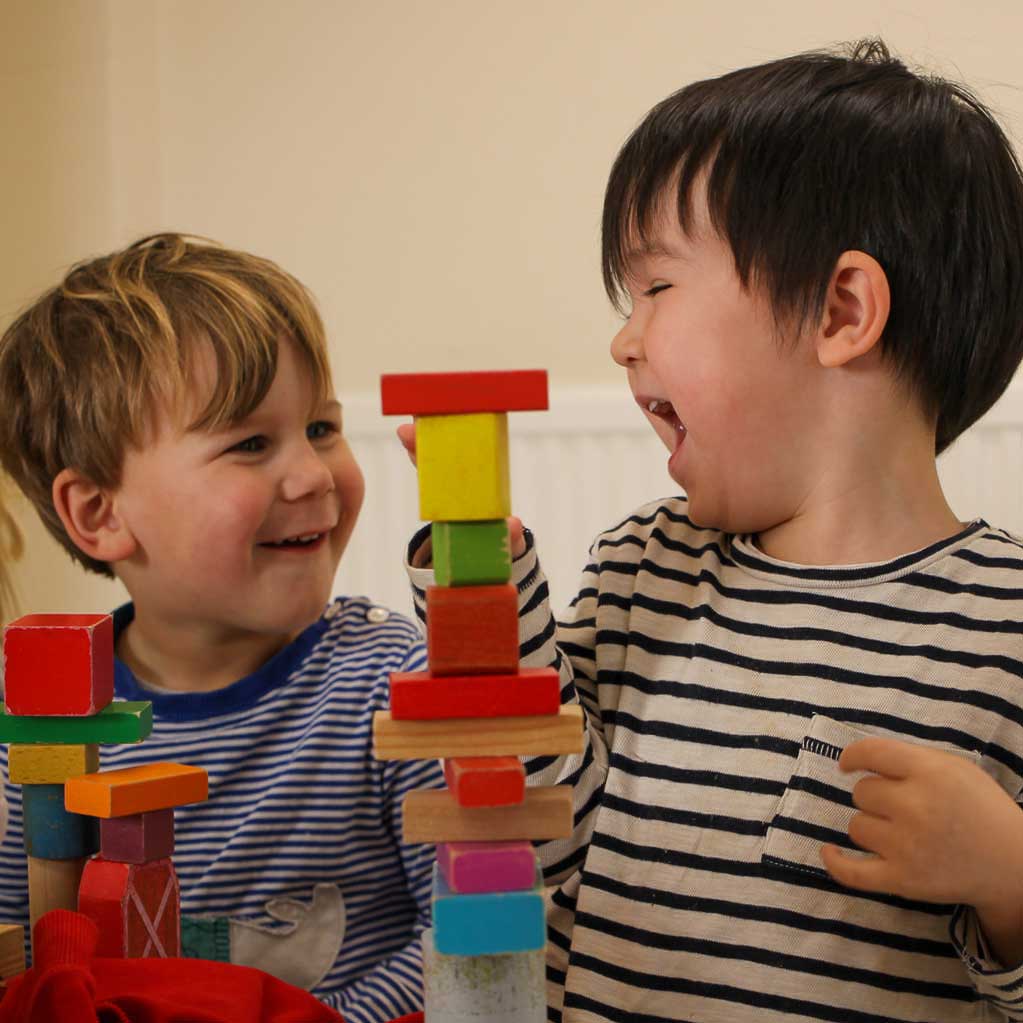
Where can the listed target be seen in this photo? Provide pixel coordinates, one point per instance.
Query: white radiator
(590, 460)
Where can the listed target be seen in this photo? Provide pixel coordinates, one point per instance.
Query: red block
(136, 907)
(438, 394)
(420, 696)
(56, 664)
(138, 838)
(472, 629)
(486, 781)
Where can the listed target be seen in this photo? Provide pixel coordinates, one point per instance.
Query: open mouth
(304, 542)
(665, 411)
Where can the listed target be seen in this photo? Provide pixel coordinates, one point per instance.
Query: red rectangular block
(438, 394)
(420, 696)
(486, 781)
(472, 629)
(139, 838)
(59, 664)
(472, 868)
(136, 907)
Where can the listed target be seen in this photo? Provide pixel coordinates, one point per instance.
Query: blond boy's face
(241, 530)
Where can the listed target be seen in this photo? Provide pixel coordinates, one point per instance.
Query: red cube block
(139, 837)
(472, 629)
(59, 664)
(136, 907)
(486, 781)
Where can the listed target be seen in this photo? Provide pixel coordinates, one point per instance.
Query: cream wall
(434, 172)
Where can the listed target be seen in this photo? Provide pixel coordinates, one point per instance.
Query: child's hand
(407, 436)
(942, 830)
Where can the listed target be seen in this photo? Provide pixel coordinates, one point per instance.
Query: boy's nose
(627, 344)
(308, 475)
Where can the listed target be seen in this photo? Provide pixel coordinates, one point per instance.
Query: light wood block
(12, 950)
(485, 781)
(136, 790)
(550, 735)
(59, 664)
(471, 553)
(463, 467)
(471, 868)
(53, 884)
(432, 815)
(50, 764)
(123, 721)
(419, 695)
(472, 630)
(421, 394)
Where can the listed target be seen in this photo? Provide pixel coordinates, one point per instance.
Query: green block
(122, 721)
(206, 938)
(471, 553)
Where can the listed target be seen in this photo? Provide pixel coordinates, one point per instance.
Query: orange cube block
(486, 781)
(133, 790)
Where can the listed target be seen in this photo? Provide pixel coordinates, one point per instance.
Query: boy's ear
(90, 517)
(855, 310)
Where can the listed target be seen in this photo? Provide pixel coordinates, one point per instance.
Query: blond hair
(83, 370)
(10, 551)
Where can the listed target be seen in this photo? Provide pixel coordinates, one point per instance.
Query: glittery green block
(471, 553)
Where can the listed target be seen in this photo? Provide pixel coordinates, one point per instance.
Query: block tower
(477, 709)
(58, 710)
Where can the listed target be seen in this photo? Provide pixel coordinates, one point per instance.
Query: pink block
(472, 868)
(138, 838)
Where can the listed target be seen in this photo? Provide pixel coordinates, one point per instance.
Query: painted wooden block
(432, 815)
(138, 838)
(494, 923)
(471, 868)
(422, 394)
(132, 790)
(124, 721)
(59, 664)
(40, 764)
(53, 884)
(471, 553)
(136, 907)
(472, 630)
(418, 695)
(50, 831)
(463, 467)
(549, 735)
(485, 781)
(12, 950)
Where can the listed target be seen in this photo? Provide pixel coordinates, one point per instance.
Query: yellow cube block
(45, 764)
(463, 467)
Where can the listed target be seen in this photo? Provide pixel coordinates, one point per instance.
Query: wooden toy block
(485, 781)
(422, 394)
(50, 764)
(472, 630)
(494, 923)
(53, 884)
(136, 907)
(418, 695)
(120, 722)
(484, 989)
(139, 838)
(471, 868)
(471, 553)
(59, 664)
(12, 950)
(478, 737)
(134, 790)
(463, 467)
(50, 832)
(432, 815)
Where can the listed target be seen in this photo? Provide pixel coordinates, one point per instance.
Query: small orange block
(472, 630)
(485, 781)
(135, 790)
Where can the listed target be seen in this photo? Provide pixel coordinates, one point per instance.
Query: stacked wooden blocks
(477, 709)
(59, 708)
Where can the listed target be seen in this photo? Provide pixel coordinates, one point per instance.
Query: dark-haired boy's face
(733, 402)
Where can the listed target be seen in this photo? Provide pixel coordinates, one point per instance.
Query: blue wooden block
(51, 833)
(491, 924)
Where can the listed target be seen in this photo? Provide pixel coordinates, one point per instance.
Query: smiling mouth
(665, 411)
(302, 542)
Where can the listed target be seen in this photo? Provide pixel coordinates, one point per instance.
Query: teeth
(652, 407)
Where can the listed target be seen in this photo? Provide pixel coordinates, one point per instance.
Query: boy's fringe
(11, 547)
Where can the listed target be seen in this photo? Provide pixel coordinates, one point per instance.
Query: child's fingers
(517, 535)
(407, 436)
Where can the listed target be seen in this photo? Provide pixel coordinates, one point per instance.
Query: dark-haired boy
(821, 264)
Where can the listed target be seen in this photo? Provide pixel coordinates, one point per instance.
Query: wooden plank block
(471, 553)
(136, 907)
(12, 950)
(53, 884)
(138, 838)
(471, 868)
(420, 394)
(50, 832)
(419, 695)
(478, 737)
(472, 630)
(463, 467)
(58, 664)
(432, 815)
(39, 764)
(493, 923)
(485, 781)
(124, 721)
(136, 789)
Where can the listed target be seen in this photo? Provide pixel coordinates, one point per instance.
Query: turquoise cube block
(51, 832)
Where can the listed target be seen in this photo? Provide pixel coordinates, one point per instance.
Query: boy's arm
(13, 862)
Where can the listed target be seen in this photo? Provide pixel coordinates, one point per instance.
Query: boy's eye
(650, 292)
(250, 446)
(320, 429)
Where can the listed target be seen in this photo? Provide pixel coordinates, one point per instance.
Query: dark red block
(486, 781)
(420, 696)
(61, 665)
(138, 838)
(472, 629)
(439, 394)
